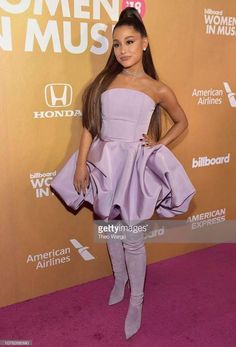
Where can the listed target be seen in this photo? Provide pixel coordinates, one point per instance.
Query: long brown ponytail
(91, 103)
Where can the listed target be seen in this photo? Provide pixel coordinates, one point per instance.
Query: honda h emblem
(58, 94)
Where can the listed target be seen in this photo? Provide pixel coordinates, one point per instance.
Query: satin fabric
(127, 178)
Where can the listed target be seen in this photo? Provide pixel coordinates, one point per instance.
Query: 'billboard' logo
(58, 94)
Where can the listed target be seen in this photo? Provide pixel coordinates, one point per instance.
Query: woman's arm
(85, 142)
(167, 100)
(81, 177)
(170, 103)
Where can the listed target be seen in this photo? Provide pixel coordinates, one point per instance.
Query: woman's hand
(81, 178)
(148, 141)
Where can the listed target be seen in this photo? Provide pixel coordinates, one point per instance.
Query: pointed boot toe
(133, 320)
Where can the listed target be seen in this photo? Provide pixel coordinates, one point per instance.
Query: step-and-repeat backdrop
(49, 52)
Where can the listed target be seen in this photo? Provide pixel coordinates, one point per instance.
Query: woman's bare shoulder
(161, 90)
(156, 88)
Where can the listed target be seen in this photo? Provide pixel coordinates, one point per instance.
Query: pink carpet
(190, 300)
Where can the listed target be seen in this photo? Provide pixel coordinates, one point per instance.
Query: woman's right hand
(81, 178)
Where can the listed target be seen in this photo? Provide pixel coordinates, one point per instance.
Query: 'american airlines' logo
(82, 250)
(58, 95)
(231, 95)
(212, 96)
(57, 257)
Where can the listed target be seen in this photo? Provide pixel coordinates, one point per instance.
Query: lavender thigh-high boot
(117, 255)
(135, 255)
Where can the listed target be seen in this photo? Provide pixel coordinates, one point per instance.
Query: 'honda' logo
(58, 94)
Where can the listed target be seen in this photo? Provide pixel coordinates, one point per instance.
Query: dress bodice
(126, 114)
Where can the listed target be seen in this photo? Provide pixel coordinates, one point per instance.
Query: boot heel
(117, 255)
(118, 292)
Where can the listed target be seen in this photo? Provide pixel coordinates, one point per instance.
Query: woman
(123, 165)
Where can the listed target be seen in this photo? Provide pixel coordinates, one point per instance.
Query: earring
(144, 49)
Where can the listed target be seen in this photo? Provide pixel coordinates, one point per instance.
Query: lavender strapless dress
(127, 178)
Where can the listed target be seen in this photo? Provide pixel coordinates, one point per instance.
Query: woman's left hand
(148, 141)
